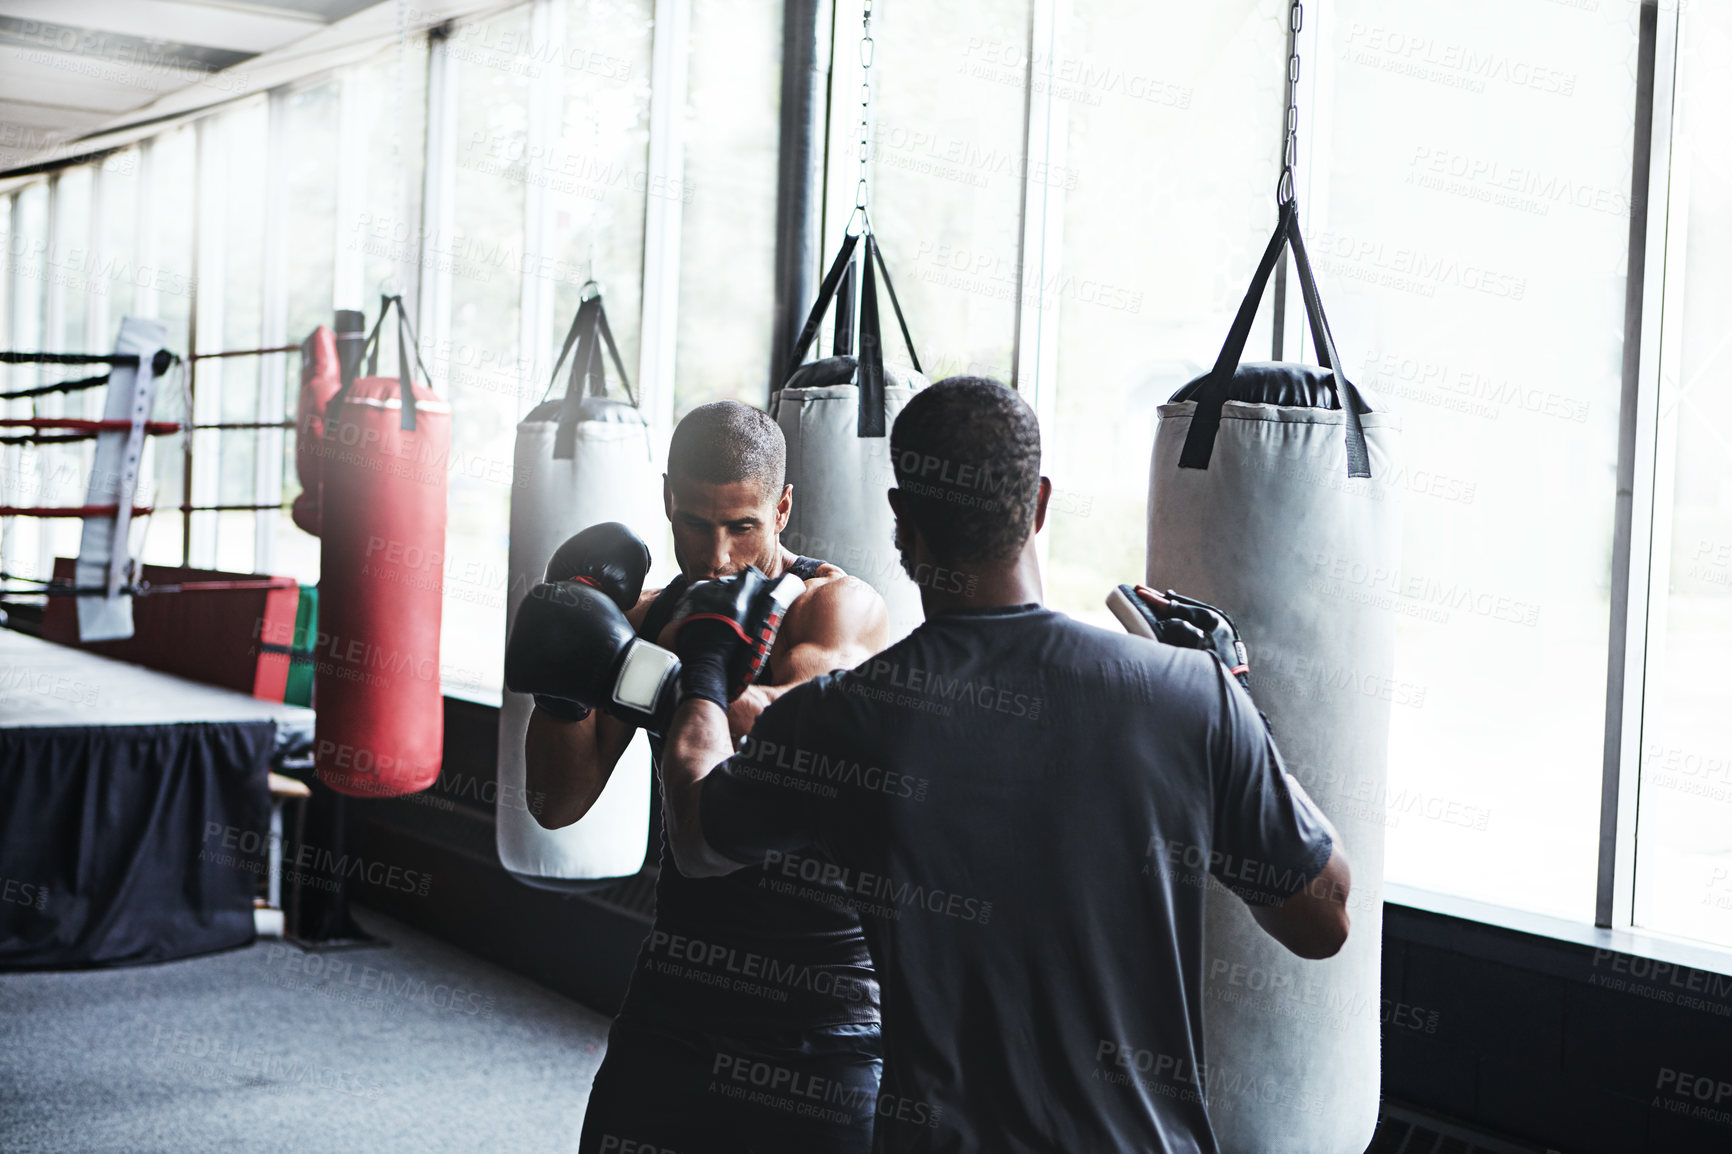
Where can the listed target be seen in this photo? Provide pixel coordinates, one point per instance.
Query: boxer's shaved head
(726, 441)
(966, 452)
(725, 491)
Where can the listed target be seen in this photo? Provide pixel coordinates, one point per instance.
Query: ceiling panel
(68, 67)
(81, 82)
(236, 27)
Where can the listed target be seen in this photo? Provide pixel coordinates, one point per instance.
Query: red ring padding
(319, 383)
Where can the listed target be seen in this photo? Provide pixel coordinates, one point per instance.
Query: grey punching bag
(580, 460)
(835, 415)
(1266, 479)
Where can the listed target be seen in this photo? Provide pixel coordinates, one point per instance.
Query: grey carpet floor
(416, 1048)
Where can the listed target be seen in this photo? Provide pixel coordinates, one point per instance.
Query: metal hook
(583, 294)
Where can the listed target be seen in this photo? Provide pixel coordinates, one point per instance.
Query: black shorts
(673, 1091)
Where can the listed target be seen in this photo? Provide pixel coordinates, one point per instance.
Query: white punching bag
(1266, 486)
(601, 469)
(835, 415)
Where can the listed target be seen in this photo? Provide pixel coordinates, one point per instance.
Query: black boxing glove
(1186, 623)
(724, 629)
(608, 557)
(571, 643)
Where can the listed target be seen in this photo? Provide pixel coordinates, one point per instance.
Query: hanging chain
(867, 48)
(1290, 146)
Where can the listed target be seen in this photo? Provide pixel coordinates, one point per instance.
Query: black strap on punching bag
(589, 331)
(877, 255)
(826, 292)
(842, 343)
(870, 421)
(1212, 396)
(406, 344)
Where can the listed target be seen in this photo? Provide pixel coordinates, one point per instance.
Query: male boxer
(743, 998)
(1034, 905)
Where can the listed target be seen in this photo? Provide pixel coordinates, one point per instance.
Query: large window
(728, 203)
(164, 287)
(949, 165)
(1158, 195)
(548, 193)
(1072, 198)
(231, 221)
(1471, 229)
(1684, 829)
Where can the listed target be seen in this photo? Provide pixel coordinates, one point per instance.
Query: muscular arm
(567, 764)
(1313, 923)
(698, 741)
(837, 623)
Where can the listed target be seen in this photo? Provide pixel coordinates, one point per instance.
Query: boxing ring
(132, 808)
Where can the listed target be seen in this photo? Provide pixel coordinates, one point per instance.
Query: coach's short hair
(966, 454)
(726, 441)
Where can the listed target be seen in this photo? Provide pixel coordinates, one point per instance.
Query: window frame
(1646, 355)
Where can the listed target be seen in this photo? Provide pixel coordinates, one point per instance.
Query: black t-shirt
(1024, 809)
(737, 954)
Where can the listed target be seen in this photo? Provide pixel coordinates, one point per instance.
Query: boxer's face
(719, 529)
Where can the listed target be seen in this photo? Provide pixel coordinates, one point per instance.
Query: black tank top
(731, 955)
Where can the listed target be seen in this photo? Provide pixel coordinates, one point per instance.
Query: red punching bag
(386, 449)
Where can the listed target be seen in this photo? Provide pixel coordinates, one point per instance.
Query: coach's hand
(1174, 619)
(723, 631)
